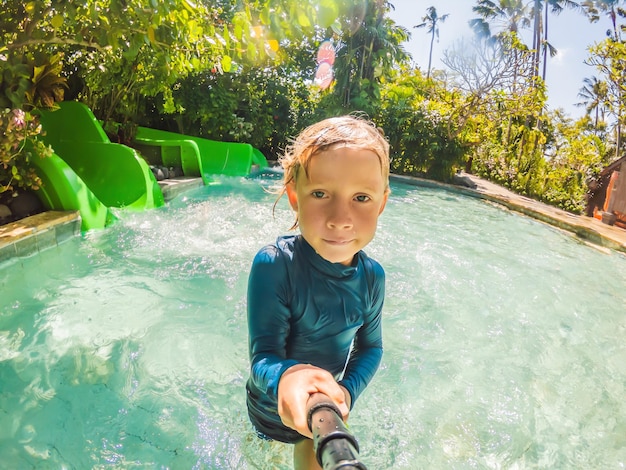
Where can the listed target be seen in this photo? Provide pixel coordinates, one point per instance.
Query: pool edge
(37, 233)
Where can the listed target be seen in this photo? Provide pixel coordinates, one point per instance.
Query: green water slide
(91, 174)
(197, 156)
(105, 174)
(63, 189)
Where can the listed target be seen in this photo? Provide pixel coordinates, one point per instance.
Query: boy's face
(338, 202)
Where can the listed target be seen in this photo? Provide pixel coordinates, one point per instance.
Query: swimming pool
(126, 348)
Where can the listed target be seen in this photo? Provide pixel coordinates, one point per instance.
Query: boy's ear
(292, 196)
(382, 206)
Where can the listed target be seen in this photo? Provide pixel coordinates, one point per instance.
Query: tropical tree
(431, 21)
(154, 45)
(365, 55)
(594, 94)
(507, 15)
(118, 56)
(609, 58)
(496, 80)
(117, 53)
(515, 15)
(484, 69)
(556, 7)
(596, 8)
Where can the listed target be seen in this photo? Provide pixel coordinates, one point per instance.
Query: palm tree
(373, 49)
(594, 8)
(510, 15)
(431, 20)
(594, 94)
(556, 7)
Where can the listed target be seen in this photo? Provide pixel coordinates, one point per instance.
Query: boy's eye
(362, 198)
(318, 194)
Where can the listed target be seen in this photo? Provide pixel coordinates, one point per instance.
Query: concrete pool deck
(40, 232)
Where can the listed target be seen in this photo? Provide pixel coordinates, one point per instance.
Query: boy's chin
(338, 259)
(334, 253)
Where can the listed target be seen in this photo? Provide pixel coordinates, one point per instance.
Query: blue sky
(570, 32)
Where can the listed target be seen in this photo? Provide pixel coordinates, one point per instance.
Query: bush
(419, 131)
(18, 146)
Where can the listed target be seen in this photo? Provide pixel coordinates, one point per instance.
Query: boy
(315, 299)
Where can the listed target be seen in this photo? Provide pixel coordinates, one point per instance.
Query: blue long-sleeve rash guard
(304, 309)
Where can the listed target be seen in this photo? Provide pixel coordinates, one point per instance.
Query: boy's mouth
(337, 242)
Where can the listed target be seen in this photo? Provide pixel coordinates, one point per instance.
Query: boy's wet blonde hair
(351, 131)
(343, 131)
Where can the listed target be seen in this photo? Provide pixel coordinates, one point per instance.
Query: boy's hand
(296, 385)
(348, 397)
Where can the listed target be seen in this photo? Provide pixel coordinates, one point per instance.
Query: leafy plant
(31, 80)
(28, 81)
(418, 129)
(18, 146)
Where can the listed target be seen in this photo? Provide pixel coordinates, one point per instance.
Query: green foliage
(18, 146)
(31, 80)
(576, 154)
(609, 58)
(119, 53)
(262, 107)
(367, 53)
(15, 80)
(516, 164)
(27, 81)
(579, 156)
(418, 129)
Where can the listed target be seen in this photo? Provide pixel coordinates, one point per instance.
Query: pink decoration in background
(324, 75)
(325, 59)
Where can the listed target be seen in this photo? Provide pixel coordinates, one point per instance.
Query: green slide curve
(115, 175)
(63, 189)
(198, 156)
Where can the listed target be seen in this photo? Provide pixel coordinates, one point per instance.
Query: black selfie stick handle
(334, 445)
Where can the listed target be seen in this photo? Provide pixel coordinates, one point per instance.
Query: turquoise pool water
(126, 348)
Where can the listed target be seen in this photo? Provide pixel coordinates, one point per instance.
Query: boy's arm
(363, 364)
(367, 350)
(268, 321)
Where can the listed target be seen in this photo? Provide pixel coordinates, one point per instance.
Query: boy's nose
(340, 217)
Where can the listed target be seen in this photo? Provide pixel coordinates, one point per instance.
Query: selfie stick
(335, 447)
